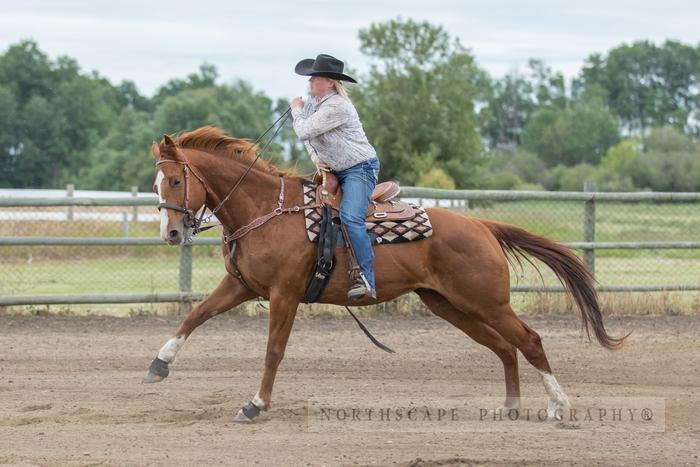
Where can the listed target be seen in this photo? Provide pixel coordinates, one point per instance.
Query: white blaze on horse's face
(171, 224)
(160, 177)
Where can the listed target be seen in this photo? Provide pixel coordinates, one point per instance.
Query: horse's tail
(571, 271)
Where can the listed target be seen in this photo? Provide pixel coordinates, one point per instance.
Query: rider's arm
(328, 116)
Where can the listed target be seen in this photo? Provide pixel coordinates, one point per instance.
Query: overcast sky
(260, 41)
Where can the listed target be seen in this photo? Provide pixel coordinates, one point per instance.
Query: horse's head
(181, 192)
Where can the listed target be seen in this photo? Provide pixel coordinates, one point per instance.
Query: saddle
(383, 207)
(388, 221)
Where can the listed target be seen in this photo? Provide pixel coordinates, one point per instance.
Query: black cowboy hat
(324, 65)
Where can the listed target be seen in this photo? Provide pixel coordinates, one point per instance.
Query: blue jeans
(357, 183)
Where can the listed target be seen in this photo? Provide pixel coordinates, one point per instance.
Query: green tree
(55, 114)
(436, 178)
(508, 107)
(664, 160)
(648, 85)
(528, 166)
(549, 87)
(129, 96)
(205, 78)
(512, 100)
(572, 178)
(417, 103)
(581, 132)
(27, 71)
(670, 162)
(622, 157)
(122, 158)
(8, 119)
(238, 109)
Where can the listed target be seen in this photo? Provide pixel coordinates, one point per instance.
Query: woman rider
(333, 135)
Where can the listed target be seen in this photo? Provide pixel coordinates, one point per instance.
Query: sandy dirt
(71, 392)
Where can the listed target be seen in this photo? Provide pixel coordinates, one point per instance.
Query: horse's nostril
(173, 233)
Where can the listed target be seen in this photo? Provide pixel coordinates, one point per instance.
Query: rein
(283, 118)
(190, 220)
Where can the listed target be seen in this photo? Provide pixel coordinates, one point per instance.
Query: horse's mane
(215, 140)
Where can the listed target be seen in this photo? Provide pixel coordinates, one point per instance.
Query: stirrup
(361, 289)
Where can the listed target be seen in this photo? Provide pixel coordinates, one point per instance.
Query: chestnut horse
(460, 272)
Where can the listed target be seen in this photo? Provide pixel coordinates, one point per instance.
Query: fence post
(589, 226)
(135, 194)
(186, 275)
(69, 194)
(125, 224)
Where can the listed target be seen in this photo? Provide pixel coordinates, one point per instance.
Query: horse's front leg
(229, 293)
(282, 312)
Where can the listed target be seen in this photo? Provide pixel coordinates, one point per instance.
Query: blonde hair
(340, 89)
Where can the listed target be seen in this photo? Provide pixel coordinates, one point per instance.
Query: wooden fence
(186, 295)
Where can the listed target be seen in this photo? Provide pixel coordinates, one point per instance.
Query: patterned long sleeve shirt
(332, 131)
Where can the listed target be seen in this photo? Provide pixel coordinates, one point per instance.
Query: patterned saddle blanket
(381, 231)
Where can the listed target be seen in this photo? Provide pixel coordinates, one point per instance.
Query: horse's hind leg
(229, 293)
(484, 335)
(514, 330)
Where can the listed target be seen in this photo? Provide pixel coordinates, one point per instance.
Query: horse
(460, 272)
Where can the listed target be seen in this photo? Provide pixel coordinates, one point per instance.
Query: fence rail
(406, 192)
(588, 198)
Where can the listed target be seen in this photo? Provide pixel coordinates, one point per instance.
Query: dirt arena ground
(71, 392)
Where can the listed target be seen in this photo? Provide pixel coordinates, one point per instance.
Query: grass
(108, 274)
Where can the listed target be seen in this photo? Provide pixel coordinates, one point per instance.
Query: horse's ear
(169, 149)
(155, 150)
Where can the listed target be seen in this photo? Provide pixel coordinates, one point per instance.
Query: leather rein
(190, 220)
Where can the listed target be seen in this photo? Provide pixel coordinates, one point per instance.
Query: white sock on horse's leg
(558, 400)
(169, 350)
(257, 400)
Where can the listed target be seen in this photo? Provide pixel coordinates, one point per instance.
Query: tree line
(629, 120)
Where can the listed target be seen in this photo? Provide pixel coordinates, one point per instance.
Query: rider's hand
(297, 102)
(320, 165)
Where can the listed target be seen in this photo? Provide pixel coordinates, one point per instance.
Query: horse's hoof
(157, 372)
(152, 378)
(241, 418)
(508, 411)
(247, 413)
(558, 410)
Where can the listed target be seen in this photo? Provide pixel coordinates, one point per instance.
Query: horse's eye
(175, 181)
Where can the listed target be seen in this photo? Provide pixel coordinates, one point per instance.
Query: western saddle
(383, 206)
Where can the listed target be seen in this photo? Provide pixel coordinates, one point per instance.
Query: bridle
(190, 220)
